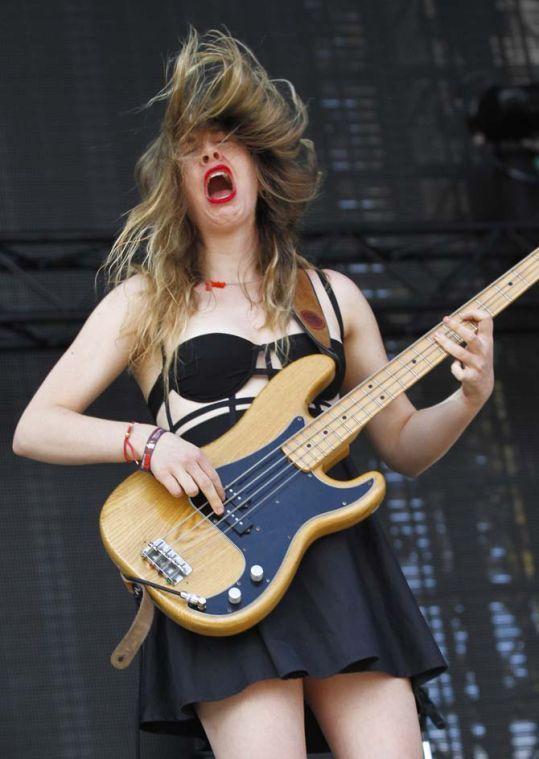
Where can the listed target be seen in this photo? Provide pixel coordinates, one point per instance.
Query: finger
(214, 477)
(457, 370)
(463, 330)
(186, 481)
(207, 487)
(485, 323)
(457, 351)
(172, 485)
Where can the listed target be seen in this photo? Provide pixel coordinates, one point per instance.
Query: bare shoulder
(97, 355)
(130, 291)
(125, 302)
(120, 306)
(355, 308)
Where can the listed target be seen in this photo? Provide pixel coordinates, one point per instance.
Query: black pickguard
(269, 522)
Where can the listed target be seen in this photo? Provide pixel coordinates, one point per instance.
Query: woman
(217, 276)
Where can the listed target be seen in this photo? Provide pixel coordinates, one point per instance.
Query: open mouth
(218, 184)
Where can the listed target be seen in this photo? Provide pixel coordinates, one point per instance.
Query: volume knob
(234, 595)
(257, 572)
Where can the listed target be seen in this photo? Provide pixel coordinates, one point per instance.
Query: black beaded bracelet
(146, 457)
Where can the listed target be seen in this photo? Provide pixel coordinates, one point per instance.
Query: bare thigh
(264, 720)
(366, 715)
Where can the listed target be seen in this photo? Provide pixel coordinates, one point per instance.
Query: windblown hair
(214, 82)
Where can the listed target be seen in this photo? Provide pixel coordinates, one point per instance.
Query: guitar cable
(168, 589)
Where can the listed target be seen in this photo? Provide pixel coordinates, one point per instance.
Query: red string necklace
(209, 283)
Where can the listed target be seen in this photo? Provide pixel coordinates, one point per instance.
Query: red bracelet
(127, 443)
(144, 465)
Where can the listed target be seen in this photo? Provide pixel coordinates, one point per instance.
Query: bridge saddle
(166, 561)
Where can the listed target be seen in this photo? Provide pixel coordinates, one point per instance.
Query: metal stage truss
(409, 273)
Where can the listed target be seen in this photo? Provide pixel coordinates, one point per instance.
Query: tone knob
(257, 573)
(234, 595)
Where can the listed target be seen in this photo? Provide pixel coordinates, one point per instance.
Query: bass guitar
(219, 575)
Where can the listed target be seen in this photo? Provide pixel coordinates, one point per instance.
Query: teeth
(219, 173)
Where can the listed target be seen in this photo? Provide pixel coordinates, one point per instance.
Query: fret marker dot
(509, 283)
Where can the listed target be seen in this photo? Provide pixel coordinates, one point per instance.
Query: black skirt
(348, 609)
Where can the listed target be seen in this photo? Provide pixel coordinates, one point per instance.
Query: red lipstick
(225, 198)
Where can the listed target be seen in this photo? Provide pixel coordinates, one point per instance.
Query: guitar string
(230, 513)
(260, 503)
(256, 506)
(427, 349)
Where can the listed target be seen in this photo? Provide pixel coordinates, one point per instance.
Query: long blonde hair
(214, 81)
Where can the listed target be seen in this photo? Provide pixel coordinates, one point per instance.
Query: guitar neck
(341, 423)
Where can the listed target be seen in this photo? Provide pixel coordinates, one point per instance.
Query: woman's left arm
(410, 440)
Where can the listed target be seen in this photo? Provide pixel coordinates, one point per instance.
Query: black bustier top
(212, 367)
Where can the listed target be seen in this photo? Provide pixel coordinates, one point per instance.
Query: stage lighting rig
(506, 119)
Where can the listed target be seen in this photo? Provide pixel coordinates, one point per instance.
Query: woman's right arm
(53, 427)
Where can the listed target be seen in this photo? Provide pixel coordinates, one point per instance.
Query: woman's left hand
(473, 366)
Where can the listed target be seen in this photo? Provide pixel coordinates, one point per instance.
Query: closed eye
(192, 146)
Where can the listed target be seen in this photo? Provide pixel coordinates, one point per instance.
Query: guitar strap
(309, 313)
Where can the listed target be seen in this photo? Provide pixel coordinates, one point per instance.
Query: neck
(230, 256)
(324, 438)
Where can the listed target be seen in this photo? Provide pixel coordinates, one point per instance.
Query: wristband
(127, 443)
(144, 465)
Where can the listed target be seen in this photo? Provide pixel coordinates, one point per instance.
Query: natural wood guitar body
(141, 510)
(272, 465)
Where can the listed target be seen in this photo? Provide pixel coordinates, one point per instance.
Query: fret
(394, 376)
(324, 445)
(368, 392)
(351, 412)
(426, 359)
(411, 370)
(358, 421)
(377, 401)
(386, 392)
(483, 306)
(502, 292)
(344, 423)
(335, 432)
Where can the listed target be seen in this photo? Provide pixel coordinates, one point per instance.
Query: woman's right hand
(184, 468)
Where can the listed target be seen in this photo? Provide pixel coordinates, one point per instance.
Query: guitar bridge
(166, 561)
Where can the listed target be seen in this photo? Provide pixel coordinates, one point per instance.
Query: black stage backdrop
(466, 534)
(387, 86)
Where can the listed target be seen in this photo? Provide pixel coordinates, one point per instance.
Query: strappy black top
(212, 367)
(348, 608)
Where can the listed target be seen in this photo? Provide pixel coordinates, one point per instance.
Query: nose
(209, 154)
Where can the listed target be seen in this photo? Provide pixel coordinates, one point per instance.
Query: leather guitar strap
(123, 654)
(308, 312)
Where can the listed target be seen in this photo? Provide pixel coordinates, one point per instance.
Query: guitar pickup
(238, 523)
(238, 501)
(166, 561)
(231, 517)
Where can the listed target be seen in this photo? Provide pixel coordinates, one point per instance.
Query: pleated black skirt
(348, 608)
